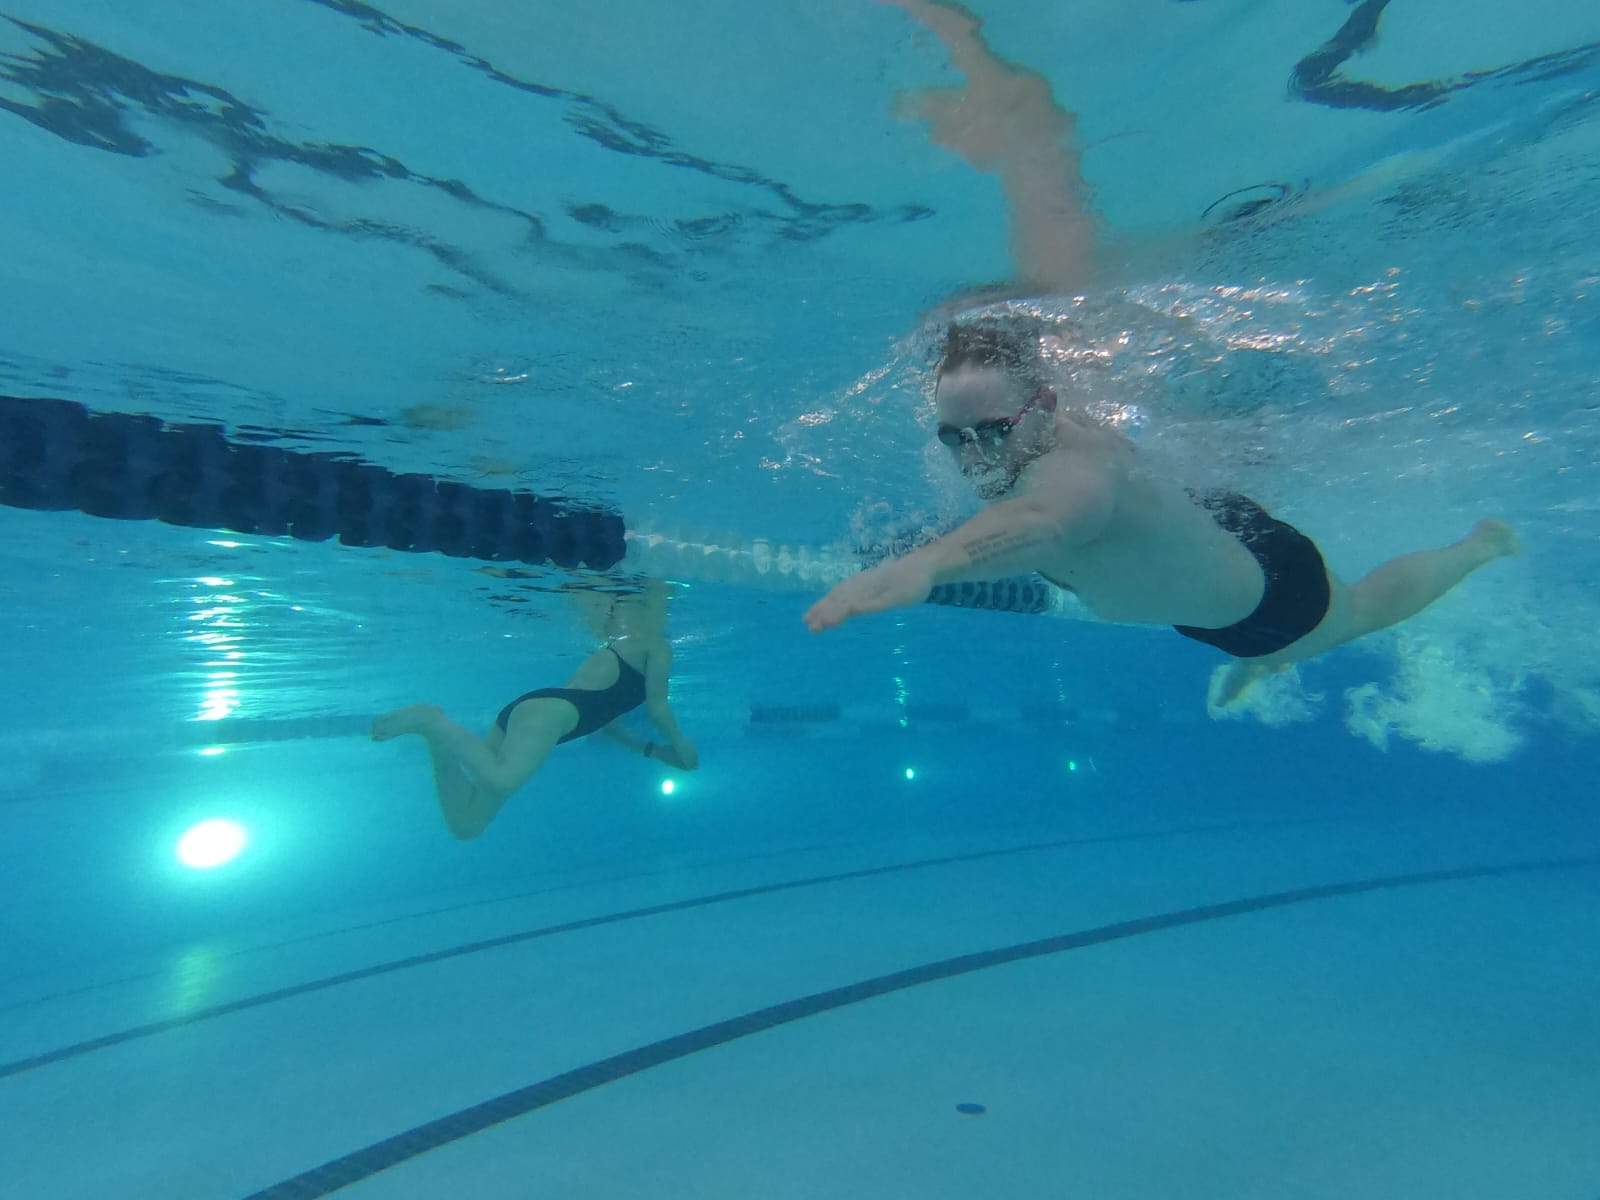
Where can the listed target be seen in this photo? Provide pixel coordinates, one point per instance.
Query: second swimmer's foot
(411, 719)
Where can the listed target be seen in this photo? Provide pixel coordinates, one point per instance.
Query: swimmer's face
(993, 423)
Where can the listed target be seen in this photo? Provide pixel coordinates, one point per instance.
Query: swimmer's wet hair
(991, 344)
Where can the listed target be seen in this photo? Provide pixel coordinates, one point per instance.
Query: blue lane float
(1021, 595)
(59, 455)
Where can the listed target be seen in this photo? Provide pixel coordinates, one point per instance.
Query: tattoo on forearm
(992, 545)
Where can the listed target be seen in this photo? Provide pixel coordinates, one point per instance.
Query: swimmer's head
(995, 407)
(638, 606)
(641, 609)
(1011, 346)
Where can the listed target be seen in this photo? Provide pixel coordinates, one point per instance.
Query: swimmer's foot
(1237, 679)
(414, 718)
(1494, 539)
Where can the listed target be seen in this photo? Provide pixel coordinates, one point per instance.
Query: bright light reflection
(910, 773)
(213, 751)
(220, 615)
(211, 843)
(668, 787)
(193, 980)
(218, 704)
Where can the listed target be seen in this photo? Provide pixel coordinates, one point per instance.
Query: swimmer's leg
(473, 776)
(1400, 588)
(1403, 587)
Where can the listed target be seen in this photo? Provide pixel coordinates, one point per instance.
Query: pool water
(964, 898)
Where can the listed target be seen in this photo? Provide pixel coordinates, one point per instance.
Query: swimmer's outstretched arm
(1068, 503)
(1005, 121)
(1007, 539)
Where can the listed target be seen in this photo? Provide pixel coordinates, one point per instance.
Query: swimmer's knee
(469, 822)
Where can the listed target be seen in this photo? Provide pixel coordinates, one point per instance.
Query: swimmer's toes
(383, 728)
(402, 720)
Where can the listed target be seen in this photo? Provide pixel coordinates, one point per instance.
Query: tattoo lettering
(990, 546)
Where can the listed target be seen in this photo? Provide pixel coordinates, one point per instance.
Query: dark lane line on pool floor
(152, 1028)
(689, 867)
(380, 1156)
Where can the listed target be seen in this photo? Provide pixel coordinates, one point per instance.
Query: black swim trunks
(596, 707)
(1297, 594)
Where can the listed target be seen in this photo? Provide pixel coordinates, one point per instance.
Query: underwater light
(213, 751)
(910, 773)
(211, 843)
(668, 787)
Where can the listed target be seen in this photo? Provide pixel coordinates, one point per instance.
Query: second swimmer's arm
(680, 752)
(624, 738)
(664, 752)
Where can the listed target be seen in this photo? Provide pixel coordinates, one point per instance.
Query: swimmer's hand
(897, 584)
(683, 750)
(680, 754)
